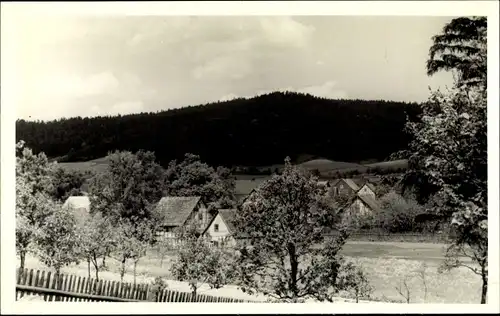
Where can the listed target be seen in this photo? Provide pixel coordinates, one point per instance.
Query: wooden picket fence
(73, 288)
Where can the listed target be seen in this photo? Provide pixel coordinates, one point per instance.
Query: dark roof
(228, 216)
(368, 200)
(353, 185)
(176, 209)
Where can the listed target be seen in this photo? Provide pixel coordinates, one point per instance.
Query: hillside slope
(252, 132)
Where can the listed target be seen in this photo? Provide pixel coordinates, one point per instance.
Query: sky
(87, 66)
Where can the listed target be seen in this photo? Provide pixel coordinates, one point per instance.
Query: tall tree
(129, 187)
(67, 183)
(192, 177)
(57, 240)
(450, 144)
(288, 256)
(197, 262)
(97, 239)
(33, 190)
(461, 47)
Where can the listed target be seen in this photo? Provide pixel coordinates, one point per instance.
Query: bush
(397, 214)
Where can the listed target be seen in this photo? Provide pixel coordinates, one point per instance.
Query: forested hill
(257, 131)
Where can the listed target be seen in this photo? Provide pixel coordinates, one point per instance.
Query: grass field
(385, 264)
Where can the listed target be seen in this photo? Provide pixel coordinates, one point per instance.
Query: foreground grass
(386, 265)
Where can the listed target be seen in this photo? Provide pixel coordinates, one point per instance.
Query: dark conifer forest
(253, 132)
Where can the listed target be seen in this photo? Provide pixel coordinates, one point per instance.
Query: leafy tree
(397, 214)
(192, 177)
(197, 262)
(67, 183)
(96, 238)
(128, 246)
(288, 255)
(461, 47)
(355, 282)
(33, 188)
(57, 239)
(128, 188)
(450, 144)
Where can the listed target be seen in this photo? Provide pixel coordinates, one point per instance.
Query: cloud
(60, 85)
(325, 90)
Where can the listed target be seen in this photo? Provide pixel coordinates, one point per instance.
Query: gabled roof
(227, 216)
(370, 186)
(368, 200)
(176, 209)
(325, 183)
(77, 202)
(78, 205)
(352, 184)
(247, 186)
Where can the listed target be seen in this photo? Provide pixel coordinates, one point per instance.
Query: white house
(221, 228)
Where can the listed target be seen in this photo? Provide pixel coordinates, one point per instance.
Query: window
(200, 216)
(216, 227)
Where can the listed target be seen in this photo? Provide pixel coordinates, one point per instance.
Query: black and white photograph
(250, 158)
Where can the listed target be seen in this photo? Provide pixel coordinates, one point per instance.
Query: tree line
(234, 132)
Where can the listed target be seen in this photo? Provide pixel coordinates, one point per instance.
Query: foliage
(354, 280)
(288, 256)
(235, 132)
(129, 187)
(197, 262)
(33, 189)
(127, 245)
(449, 146)
(57, 241)
(157, 286)
(192, 177)
(67, 183)
(96, 239)
(461, 47)
(397, 214)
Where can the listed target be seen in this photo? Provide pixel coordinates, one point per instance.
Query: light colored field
(401, 163)
(386, 264)
(96, 165)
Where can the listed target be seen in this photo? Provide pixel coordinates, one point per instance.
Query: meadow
(386, 265)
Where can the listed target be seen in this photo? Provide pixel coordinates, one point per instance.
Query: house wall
(199, 216)
(360, 208)
(365, 190)
(222, 235)
(341, 188)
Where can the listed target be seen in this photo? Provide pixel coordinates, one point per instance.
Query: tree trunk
(135, 269)
(484, 289)
(96, 266)
(88, 266)
(122, 271)
(294, 269)
(104, 263)
(22, 254)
